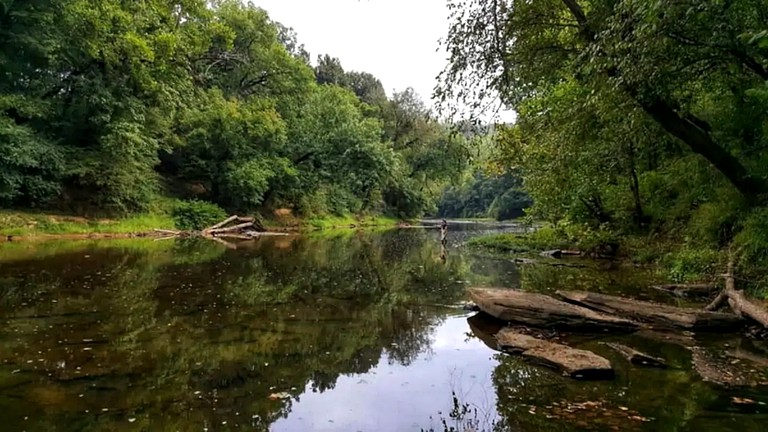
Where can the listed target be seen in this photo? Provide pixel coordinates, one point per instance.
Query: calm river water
(348, 331)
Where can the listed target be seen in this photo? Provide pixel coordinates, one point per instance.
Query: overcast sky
(395, 40)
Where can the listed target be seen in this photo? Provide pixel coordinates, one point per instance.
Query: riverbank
(27, 226)
(671, 259)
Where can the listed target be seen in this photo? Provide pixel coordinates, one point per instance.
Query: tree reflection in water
(183, 335)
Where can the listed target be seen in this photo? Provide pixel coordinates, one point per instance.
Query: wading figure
(443, 253)
(443, 232)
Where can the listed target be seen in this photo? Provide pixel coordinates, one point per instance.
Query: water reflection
(341, 331)
(163, 335)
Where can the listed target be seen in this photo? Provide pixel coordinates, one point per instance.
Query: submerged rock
(572, 362)
(637, 357)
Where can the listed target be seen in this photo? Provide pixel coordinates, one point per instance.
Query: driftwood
(169, 232)
(540, 310)
(687, 290)
(245, 229)
(559, 253)
(739, 303)
(572, 362)
(556, 253)
(238, 227)
(222, 223)
(654, 314)
(636, 357)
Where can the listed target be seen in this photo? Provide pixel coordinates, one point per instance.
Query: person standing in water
(443, 231)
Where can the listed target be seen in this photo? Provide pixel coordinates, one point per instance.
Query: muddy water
(333, 332)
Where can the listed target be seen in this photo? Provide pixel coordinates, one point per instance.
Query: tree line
(109, 106)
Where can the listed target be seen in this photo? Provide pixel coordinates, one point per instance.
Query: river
(330, 331)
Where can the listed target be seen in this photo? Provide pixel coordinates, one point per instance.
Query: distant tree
(330, 71)
(290, 40)
(367, 87)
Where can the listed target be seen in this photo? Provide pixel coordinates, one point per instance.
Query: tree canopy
(109, 106)
(640, 115)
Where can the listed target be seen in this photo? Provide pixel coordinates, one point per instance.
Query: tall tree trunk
(686, 129)
(634, 185)
(700, 142)
(594, 205)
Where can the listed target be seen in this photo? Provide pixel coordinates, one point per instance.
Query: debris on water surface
(280, 395)
(742, 401)
(599, 413)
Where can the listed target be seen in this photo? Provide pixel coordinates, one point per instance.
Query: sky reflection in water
(338, 331)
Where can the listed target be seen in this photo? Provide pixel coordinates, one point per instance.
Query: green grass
(544, 238)
(30, 224)
(333, 222)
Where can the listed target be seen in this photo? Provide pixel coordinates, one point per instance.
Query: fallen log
(227, 244)
(739, 303)
(555, 253)
(222, 223)
(540, 310)
(655, 314)
(235, 236)
(718, 302)
(242, 231)
(571, 362)
(230, 229)
(686, 290)
(636, 357)
(167, 231)
(688, 287)
(743, 307)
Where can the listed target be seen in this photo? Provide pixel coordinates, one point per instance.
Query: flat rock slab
(540, 310)
(654, 313)
(571, 362)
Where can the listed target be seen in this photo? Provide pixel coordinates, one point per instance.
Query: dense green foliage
(106, 106)
(641, 117)
(197, 215)
(487, 189)
(484, 195)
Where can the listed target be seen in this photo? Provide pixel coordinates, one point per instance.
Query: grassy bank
(20, 224)
(519, 243)
(333, 222)
(24, 224)
(673, 259)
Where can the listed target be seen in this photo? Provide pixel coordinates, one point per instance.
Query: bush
(752, 240)
(197, 215)
(689, 265)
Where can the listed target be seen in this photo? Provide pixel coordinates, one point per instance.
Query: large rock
(572, 362)
(656, 314)
(540, 310)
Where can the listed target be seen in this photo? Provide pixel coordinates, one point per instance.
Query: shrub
(196, 215)
(752, 240)
(691, 264)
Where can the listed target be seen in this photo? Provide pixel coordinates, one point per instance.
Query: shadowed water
(345, 331)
